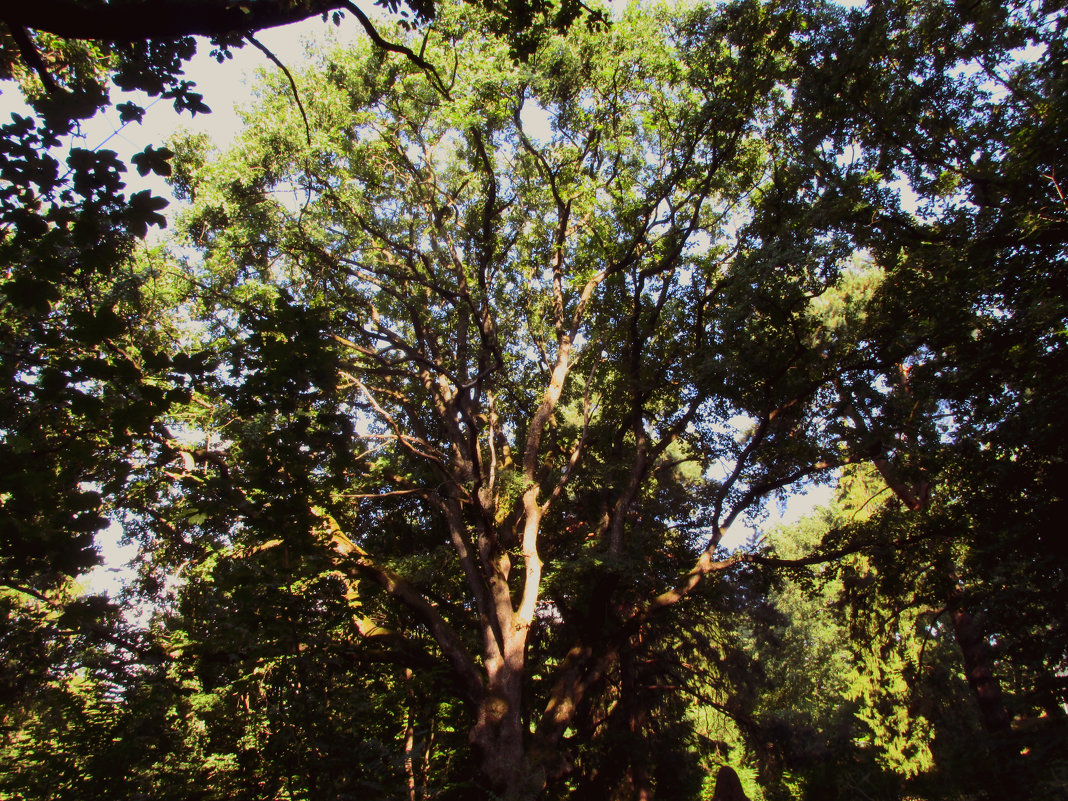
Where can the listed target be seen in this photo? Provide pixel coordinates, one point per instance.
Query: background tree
(865, 686)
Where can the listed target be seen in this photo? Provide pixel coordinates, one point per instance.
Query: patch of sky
(115, 570)
(848, 156)
(783, 509)
(292, 197)
(537, 122)
(662, 219)
(699, 243)
(739, 428)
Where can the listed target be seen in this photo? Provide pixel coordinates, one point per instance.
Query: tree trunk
(985, 686)
(498, 739)
(633, 701)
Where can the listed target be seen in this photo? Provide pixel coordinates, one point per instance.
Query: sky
(226, 88)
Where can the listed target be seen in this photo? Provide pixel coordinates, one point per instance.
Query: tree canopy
(429, 422)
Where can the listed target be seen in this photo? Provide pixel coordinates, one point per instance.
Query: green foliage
(884, 708)
(428, 427)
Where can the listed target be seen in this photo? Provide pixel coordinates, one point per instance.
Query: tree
(68, 57)
(521, 357)
(993, 224)
(863, 671)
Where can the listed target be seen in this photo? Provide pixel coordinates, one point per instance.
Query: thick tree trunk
(981, 679)
(633, 701)
(499, 740)
(505, 769)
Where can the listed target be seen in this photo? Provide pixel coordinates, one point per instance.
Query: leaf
(31, 293)
(130, 112)
(144, 211)
(155, 160)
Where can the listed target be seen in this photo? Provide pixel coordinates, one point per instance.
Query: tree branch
(359, 561)
(33, 58)
(392, 47)
(296, 95)
(160, 19)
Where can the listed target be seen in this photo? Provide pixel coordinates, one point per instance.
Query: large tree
(559, 364)
(515, 354)
(79, 357)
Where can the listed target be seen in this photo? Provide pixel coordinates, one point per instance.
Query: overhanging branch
(160, 19)
(293, 84)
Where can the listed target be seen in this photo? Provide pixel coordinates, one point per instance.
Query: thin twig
(1053, 179)
(277, 62)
